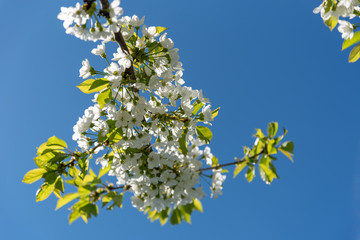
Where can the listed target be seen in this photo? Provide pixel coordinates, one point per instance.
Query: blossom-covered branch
(146, 129)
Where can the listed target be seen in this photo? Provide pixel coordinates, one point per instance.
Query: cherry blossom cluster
(144, 118)
(331, 11)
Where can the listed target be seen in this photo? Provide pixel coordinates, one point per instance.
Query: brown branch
(118, 38)
(222, 165)
(239, 161)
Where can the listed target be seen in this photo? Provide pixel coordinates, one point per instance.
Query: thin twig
(118, 38)
(239, 161)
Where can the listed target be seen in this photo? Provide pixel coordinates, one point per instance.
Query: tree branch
(118, 38)
(239, 161)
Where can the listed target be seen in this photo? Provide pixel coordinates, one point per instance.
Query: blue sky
(259, 61)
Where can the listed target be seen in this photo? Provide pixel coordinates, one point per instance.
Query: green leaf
(66, 199)
(250, 173)
(89, 209)
(93, 85)
(354, 54)
(57, 193)
(164, 215)
(33, 175)
(183, 143)
(114, 136)
(349, 42)
(75, 214)
(49, 158)
(266, 173)
(272, 129)
(239, 168)
(215, 112)
(331, 22)
(197, 107)
(50, 177)
(56, 141)
(215, 161)
(271, 149)
(204, 133)
(186, 211)
(104, 97)
(259, 133)
(117, 199)
(84, 166)
(287, 148)
(44, 191)
(175, 217)
(104, 171)
(59, 184)
(160, 29)
(197, 205)
(43, 147)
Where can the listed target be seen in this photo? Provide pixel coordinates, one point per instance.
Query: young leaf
(250, 173)
(56, 141)
(43, 147)
(215, 112)
(204, 133)
(175, 217)
(354, 54)
(197, 205)
(183, 143)
(89, 209)
(75, 214)
(160, 29)
(287, 149)
(104, 97)
(259, 133)
(44, 192)
(239, 168)
(186, 211)
(349, 42)
(164, 216)
(33, 175)
(331, 22)
(59, 184)
(104, 171)
(93, 85)
(272, 129)
(197, 107)
(66, 199)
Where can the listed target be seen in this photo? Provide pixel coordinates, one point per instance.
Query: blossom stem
(229, 164)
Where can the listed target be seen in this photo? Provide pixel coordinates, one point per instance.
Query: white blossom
(99, 50)
(85, 69)
(346, 29)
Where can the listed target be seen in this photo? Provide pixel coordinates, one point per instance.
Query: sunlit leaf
(160, 29)
(175, 217)
(44, 192)
(239, 167)
(93, 85)
(349, 42)
(56, 141)
(354, 54)
(272, 129)
(33, 175)
(197, 205)
(204, 133)
(331, 22)
(104, 97)
(66, 199)
(250, 173)
(215, 112)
